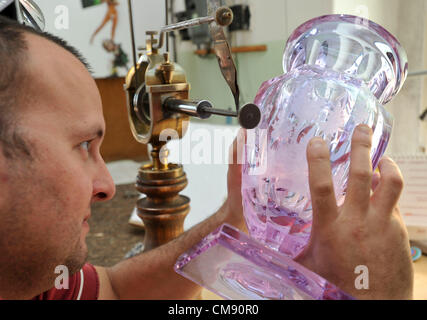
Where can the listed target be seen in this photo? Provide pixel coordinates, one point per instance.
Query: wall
(272, 21)
(383, 12)
(406, 21)
(423, 133)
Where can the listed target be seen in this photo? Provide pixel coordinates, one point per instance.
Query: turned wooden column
(163, 210)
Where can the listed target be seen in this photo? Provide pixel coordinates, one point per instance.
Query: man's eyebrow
(96, 132)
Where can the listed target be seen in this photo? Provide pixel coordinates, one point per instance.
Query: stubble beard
(28, 259)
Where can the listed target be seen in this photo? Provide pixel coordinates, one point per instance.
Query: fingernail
(316, 142)
(364, 129)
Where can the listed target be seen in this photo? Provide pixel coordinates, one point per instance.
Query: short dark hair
(13, 53)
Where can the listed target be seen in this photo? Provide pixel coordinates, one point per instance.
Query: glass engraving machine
(159, 108)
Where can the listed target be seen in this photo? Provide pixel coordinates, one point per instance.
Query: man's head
(51, 171)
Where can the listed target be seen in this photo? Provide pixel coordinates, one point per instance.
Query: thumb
(235, 151)
(236, 158)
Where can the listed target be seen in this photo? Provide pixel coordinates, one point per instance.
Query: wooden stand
(163, 210)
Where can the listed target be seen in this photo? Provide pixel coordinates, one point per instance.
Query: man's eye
(85, 145)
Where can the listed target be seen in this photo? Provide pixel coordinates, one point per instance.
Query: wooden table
(118, 142)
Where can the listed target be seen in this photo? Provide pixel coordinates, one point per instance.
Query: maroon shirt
(83, 285)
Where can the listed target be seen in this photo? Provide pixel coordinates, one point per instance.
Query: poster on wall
(89, 3)
(119, 58)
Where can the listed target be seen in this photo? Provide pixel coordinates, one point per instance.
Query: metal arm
(223, 16)
(218, 17)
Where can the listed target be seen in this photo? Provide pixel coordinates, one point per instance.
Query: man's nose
(104, 188)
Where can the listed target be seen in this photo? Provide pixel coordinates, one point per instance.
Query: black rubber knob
(249, 116)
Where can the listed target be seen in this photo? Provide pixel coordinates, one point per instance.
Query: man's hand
(150, 275)
(367, 230)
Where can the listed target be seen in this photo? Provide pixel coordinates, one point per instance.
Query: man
(51, 171)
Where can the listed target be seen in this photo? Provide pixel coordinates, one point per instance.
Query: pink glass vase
(339, 71)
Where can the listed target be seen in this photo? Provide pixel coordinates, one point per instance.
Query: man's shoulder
(83, 285)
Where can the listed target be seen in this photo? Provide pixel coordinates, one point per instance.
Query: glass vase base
(234, 266)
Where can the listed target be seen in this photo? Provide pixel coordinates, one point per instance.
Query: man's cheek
(4, 178)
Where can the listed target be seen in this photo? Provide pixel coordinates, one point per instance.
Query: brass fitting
(224, 16)
(166, 69)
